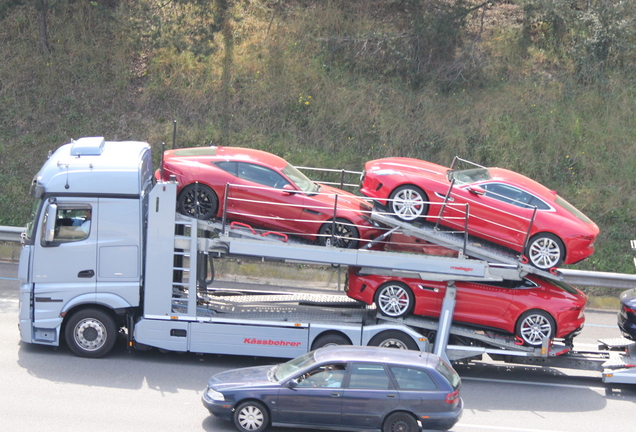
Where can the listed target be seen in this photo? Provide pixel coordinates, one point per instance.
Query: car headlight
(214, 395)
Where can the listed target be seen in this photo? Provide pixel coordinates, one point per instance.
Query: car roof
(230, 154)
(376, 354)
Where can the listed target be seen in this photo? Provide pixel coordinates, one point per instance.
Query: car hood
(345, 199)
(256, 376)
(408, 167)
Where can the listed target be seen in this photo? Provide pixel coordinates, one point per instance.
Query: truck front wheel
(90, 333)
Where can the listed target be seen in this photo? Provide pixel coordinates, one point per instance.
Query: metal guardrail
(12, 234)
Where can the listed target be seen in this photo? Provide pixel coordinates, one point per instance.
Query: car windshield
(301, 180)
(469, 175)
(285, 370)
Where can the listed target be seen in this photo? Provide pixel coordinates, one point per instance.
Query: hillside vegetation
(542, 87)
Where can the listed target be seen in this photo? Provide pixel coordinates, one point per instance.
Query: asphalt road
(45, 389)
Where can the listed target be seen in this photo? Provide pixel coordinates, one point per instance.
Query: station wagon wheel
(198, 200)
(90, 333)
(251, 416)
(408, 203)
(545, 251)
(394, 299)
(393, 339)
(400, 422)
(346, 234)
(535, 325)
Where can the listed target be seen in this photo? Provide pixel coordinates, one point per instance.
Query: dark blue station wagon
(344, 388)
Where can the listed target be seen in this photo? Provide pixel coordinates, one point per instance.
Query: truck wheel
(330, 340)
(400, 422)
(251, 416)
(90, 333)
(198, 200)
(393, 339)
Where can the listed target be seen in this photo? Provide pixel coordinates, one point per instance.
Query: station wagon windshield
(301, 180)
(285, 370)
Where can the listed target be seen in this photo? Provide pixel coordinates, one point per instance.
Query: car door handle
(390, 395)
(86, 274)
(335, 394)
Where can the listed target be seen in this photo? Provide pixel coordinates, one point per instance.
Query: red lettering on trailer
(254, 341)
(466, 269)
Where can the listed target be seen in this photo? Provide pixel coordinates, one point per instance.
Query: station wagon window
(368, 376)
(323, 376)
(412, 379)
(72, 224)
(512, 195)
(261, 175)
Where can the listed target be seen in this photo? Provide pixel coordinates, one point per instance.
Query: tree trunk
(42, 7)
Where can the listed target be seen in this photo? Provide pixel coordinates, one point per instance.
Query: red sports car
(265, 191)
(496, 204)
(532, 308)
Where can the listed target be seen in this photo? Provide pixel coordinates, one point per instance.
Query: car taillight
(628, 309)
(452, 397)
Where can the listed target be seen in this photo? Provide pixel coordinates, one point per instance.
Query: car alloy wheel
(346, 234)
(394, 299)
(545, 251)
(198, 200)
(408, 203)
(534, 326)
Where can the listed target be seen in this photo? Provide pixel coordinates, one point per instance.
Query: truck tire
(393, 339)
(330, 340)
(90, 333)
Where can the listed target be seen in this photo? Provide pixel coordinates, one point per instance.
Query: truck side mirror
(49, 224)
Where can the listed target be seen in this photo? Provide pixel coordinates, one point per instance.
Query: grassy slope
(289, 96)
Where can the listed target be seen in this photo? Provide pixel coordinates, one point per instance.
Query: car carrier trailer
(142, 268)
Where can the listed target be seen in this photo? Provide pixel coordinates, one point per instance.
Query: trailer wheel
(393, 339)
(400, 422)
(251, 416)
(198, 200)
(90, 333)
(330, 340)
(535, 325)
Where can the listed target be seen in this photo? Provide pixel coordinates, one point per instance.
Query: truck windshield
(32, 219)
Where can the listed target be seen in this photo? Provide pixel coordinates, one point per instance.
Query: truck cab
(83, 247)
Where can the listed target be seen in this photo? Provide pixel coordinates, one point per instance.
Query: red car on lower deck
(532, 308)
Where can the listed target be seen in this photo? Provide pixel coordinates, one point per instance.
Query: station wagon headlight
(214, 395)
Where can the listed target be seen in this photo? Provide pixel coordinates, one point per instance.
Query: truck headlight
(214, 395)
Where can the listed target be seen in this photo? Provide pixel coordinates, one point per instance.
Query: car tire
(198, 200)
(534, 325)
(330, 340)
(90, 333)
(408, 203)
(393, 339)
(394, 299)
(346, 235)
(251, 416)
(400, 422)
(545, 251)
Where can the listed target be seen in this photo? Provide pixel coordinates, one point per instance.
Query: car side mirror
(289, 189)
(476, 190)
(292, 384)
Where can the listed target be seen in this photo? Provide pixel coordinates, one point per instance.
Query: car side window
(72, 224)
(324, 376)
(512, 195)
(227, 166)
(261, 175)
(412, 378)
(368, 376)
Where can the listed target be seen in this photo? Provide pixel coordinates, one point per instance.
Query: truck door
(64, 257)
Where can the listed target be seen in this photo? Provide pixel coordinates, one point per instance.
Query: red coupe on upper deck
(265, 191)
(494, 204)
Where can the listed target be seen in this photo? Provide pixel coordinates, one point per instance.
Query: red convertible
(265, 191)
(494, 204)
(532, 308)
